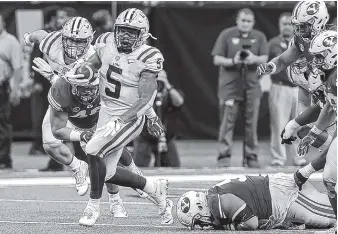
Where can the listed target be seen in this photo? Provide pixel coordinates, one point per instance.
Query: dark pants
(144, 148)
(229, 111)
(39, 106)
(5, 126)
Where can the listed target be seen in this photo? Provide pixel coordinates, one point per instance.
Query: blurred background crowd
(209, 88)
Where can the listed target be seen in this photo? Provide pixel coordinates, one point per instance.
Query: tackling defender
(255, 202)
(128, 69)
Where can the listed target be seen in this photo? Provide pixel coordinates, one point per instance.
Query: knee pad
(330, 187)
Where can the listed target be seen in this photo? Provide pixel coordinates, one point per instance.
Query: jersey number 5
(114, 94)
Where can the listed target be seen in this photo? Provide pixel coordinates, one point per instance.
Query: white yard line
(62, 181)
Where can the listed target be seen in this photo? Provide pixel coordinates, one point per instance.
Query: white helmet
(323, 48)
(131, 30)
(192, 209)
(308, 18)
(77, 34)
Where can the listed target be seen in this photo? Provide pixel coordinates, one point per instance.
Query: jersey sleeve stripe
(52, 42)
(45, 41)
(105, 37)
(98, 39)
(149, 56)
(53, 103)
(220, 207)
(144, 52)
(240, 209)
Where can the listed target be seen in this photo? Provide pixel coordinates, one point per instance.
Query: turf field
(36, 202)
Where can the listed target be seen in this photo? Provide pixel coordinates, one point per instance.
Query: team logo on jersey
(330, 41)
(76, 109)
(312, 9)
(185, 205)
(235, 41)
(117, 58)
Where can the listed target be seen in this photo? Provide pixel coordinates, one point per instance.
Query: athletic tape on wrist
(75, 135)
(316, 130)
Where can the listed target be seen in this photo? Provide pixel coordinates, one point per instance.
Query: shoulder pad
(152, 58)
(59, 94)
(104, 38)
(51, 40)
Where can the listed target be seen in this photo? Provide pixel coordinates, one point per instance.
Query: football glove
(26, 40)
(287, 141)
(110, 128)
(304, 145)
(73, 78)
(265, 69)
(155, 127)
(162, 146)
(86, 136)
(42, 67)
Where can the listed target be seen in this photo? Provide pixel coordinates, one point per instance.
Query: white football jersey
(120, 73)
(51, 47)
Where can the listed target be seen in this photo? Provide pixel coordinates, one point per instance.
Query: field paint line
(97, 224)
(72, 202)
(9, 182)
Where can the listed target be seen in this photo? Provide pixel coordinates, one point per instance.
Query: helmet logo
(312, 9)
(330, 41)
(185, 205)
(76, 109)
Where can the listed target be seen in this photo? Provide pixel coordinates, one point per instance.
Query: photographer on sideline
(167, 102)
(237, 52)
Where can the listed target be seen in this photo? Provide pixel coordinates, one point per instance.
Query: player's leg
(312, 208)
(142, 151)
(61, 153)
(116, 206)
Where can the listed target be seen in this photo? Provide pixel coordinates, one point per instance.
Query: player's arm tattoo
(147, 90)
(58, 120)
(37, 36)
(286, 59)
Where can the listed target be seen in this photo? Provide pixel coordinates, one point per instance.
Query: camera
(244, 53)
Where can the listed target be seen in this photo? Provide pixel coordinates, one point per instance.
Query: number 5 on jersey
(116, 93)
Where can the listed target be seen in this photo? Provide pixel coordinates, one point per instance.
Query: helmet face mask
(126, 38)
(303, 30)
(75, 47)
(86, 94)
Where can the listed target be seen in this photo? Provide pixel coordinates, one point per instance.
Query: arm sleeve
(220, 46)
(59, 95)
(263, 46)
(16, 54)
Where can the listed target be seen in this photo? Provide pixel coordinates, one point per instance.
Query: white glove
(73, 78)
(290, 129)
(26, 39)
(42, 67)
(110, 128)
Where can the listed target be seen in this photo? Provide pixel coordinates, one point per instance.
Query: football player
(73, 111)
(128, 69)
(308, 19)
(255, 202)
(323, 48)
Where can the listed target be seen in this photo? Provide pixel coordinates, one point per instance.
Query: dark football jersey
(330, 87)
(253, 190)
(81, 115)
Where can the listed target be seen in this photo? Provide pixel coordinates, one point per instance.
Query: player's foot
(117, 208)
(224, 160)
(160, 195)
(167, 216)
(299, 179)
(252, 161)
(81, 183)
(138, 171)
(90, 215)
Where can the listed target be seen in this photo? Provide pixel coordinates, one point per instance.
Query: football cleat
(90, 215)
(167, 216)
(81, 183)
(117, 208)
(160, 195)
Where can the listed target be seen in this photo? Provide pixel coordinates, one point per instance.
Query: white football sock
(75, 164)
(114, 197)
(307, 170)
(150, 187)
(95, 202)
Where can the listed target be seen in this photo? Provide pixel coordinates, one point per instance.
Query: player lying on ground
(128, 69)
(324, 50)
(256, 202)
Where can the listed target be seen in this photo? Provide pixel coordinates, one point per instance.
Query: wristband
(75, 135)
(274, 68)
(316, 130)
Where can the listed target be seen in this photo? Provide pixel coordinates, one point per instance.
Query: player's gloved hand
(155, 127)
(110, 128)
(73, 78)
(26, 40)
(265, 69)
(162, 146)
(287, 134)
(287, 141)
(42, 67)
(304, 145)
(86, 136)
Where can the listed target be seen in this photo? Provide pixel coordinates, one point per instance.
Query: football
(88, 70)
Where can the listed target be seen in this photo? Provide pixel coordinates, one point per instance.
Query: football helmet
(77, 35)
(323, 48)
(308, 18)
(86, 94)
(131, 30)
(192, 209)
